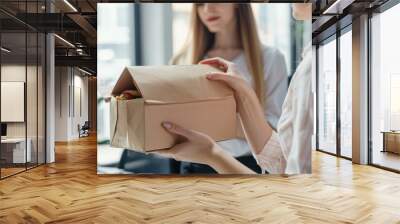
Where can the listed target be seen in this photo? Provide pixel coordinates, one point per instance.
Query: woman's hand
(257, 130)
(200, 148)
(230, 77)
(196, 147)
(221, 64)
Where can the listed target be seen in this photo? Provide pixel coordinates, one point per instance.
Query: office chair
(84, 130)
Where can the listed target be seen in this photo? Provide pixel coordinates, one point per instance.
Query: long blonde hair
(201, 40)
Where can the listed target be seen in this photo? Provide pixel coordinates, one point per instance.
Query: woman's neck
(227, 38)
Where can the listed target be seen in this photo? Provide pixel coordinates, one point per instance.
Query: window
(333, 137)
(180, 25)
(327, 97)
(346, 94)
(114, 20)
(113, 55)
(385, 89)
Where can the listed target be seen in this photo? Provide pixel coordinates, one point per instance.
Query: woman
(288, 150)
(229, 31)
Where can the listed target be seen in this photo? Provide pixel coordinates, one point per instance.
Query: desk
(391, 141)
(15, 148)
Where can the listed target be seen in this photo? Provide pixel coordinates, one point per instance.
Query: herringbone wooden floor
(69, 191)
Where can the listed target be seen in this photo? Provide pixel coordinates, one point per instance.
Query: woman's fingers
(176, 129)
(218, 63)
(230, 80)
(216, 60)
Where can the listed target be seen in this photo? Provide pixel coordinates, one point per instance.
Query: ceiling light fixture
(65, 41)
(84, 71)
(70, 5)
(337, 7)
(79, 51)
(5, 50)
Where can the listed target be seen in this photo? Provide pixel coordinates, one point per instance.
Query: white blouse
(276, 84)
(289, 148)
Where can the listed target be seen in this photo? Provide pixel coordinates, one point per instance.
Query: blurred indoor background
(149, 34)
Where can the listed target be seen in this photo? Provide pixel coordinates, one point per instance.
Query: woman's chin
(213, 29)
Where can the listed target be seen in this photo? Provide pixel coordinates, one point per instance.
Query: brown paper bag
(180, 94)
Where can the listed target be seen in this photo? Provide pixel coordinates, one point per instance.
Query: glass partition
(13, 94)
(22, 91)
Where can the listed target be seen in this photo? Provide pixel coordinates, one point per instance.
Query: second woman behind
(229, 31)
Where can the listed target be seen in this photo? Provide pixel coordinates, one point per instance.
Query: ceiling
(74, 22)
(331, 15)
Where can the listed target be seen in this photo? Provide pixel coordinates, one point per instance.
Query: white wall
(11, 73)
(61, 103)
(67, 116)
(16, 73)
(81, 83)
(33, 126)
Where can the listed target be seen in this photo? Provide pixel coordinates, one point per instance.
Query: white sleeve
(272, 158)
(296, 123)
(276, 84)
(289, 149)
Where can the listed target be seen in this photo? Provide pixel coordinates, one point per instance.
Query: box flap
(125, 82)
(176, 83)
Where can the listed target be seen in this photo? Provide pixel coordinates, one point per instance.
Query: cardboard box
(181, 94)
